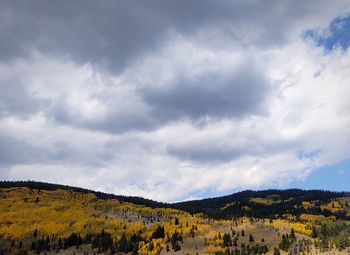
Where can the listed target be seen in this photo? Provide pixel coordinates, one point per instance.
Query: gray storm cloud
(143, 98)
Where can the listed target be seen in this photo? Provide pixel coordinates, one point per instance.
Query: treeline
(331, 235)
(101, 242)
(287, 201)
(328, 236)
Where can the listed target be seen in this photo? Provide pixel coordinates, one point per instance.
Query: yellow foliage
(278, 223)
(311, 217)
(61, 212)
(265, 201)
(333, 206)
(212, 249)
(307, 204)
(301, 228)
(290, 216)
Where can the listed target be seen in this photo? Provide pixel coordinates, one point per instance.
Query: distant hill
(270, 203)
(101, 195)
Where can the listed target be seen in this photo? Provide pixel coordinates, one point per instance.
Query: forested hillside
(267, 203)
(39, 218)
(101, 195)
(273, 204)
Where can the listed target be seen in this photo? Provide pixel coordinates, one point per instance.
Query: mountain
(44, 218)
(270, 203)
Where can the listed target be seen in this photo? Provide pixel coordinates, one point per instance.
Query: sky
(176, 100)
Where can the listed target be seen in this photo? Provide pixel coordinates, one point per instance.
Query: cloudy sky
(175, 100)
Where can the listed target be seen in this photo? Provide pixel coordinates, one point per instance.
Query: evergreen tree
(35, 234)
(276, 251)
(123, 243)
(227, 241)
(236, 252)
(159, 232)
(174, 241)
(314, 232)
(292, 234)
(135, 250)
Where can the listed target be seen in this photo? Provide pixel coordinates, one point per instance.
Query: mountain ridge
(269, 203)
(102, 195)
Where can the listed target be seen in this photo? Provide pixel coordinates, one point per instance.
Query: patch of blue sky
(337, 35)
(335, 178)
(332, 177)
